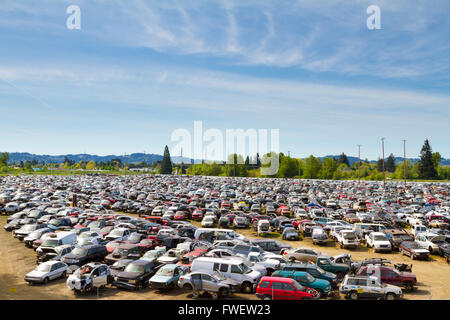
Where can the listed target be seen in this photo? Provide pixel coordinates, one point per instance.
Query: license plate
(360, 290)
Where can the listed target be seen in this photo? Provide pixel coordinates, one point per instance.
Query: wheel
(341, 246)
(319, 294)
(63, 275)
(430, 249)
(224, 292)
(195, 294)
(266, 297)
(46, 280)
(353, 295)
(138, 286)
(187, 287)
(215, 295)
(390, 296)
(247, 287)
(413, 256)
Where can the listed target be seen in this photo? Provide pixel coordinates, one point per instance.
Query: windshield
(151, 255)
(309, 277)
(165, 271)
(54, 222)
(50, 243)
(245, 268)
(134, 268)
(28, 227)
(119, 265)
(43, 268)
(79, 251)
(379, 238)
(116, 233)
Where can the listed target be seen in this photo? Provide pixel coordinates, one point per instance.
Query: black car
(396, 237)
(84, 254)
(136, 274)
(118, 266)
(273, 246)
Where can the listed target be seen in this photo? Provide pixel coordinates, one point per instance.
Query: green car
(339, 269)
(323, 287)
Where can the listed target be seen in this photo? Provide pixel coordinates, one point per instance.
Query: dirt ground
(433, 276)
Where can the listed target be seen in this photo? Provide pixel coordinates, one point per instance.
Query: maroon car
(390, 275)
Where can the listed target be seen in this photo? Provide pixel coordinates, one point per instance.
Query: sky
(137, 70)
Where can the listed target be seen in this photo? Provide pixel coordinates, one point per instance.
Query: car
(167, 276)
(119, 266)
(290, 233)
(124, 251)
(135, 276)
(378, 241)
(444, 250)
(323, 287)
(35, 235)
(389, 275)
(339, 269)
(312, 269)
(270, 265)
(153, 255)
(89, 277)
(355, 287)
(319, 236)
(347, 239)
(240, 222)
(414, 250)
(172, 256)
(118, 234)
(302, 254)
(47, 271)
(208, 222)
(396, 237)
(53, 253)
(27, 229)
(84, 254)
(430, 241)
(281, 288)
(215, 283)
(272, 246)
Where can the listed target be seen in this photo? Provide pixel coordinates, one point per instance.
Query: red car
(179, 215)
(147, 244)
(114, 244)
(279, 288)
(197, 214)
(190, 256)
(389, 275)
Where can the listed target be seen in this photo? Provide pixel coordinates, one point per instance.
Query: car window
(352, 282)
(223, 267)
(264, 284)
(277, 286)
(288, 287)
(235, 269)
(206, 277)
(216, 267)
(361, 282)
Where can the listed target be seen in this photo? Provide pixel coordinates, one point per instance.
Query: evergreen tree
(426, 165)
(343, 160)
(380, 165)
(166, 164)
(390, 163)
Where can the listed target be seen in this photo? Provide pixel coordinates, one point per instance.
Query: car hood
(408, 275)
(36, 274)
(128, 275)
(321, 283)
(382, 242)
(421, 251)
(161, 279)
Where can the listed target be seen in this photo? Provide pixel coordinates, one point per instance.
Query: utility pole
(359, 163)
(404, 161)
(384, 176)
(181, 161)
(205, 163)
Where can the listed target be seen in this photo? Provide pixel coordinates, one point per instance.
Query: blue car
(323, 287)
(167, 276)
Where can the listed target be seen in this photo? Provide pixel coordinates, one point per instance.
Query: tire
(195, 294)
(247, 287)
(390, 296)
(215, 295)
(187, 287)
(266, 297)
(46, 280)
(413, 256)
(340, 276)
(63, 275)
(224, 292)
(319, 294)
(353, 295)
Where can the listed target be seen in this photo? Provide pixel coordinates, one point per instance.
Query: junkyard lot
(16, 260)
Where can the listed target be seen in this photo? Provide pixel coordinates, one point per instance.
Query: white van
(212, 234)
(233, 268)
(58, 239)
(419, 228)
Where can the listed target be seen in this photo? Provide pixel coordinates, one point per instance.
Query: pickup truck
(347, 239)
(339, 269)
(354, 287)
(378, 241)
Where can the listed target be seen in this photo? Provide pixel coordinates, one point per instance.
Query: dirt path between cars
(17, 260)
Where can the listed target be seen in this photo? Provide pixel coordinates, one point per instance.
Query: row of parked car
(72, 225)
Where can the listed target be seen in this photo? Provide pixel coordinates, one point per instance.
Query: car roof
(278, 279)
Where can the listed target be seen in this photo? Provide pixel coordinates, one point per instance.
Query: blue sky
(137, 70)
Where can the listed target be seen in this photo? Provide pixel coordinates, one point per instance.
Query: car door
(208, 283)
(289, 292)
(276, 289)
(373, 289)
(53, 272)
(197, 283)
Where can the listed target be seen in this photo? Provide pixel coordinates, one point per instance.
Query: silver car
(214, 283)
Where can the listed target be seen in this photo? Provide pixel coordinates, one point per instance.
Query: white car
(378, 241)
(267, 262)
(430, 241)
(118, 234)
(347, 239)
(47, 271)
(208, 222)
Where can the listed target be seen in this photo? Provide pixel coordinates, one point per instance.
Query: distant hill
(16, 157)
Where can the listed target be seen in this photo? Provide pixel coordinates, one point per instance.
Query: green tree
(288, 167)
(4, 158)
(427, 169)
(166, 164)
(90, 165)
(311, 168)
(390, 163)
(28, 167)
(436, 156)
(343, 159)
(329, 167)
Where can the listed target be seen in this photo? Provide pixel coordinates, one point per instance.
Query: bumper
(34, 280)
(124, 285)
(382, 249)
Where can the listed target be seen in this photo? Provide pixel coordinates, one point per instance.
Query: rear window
(264, 284)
